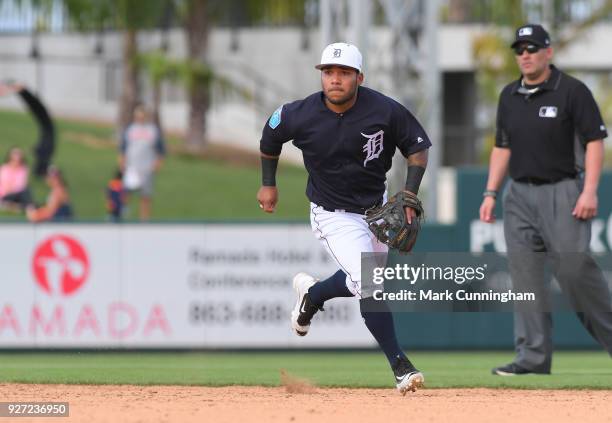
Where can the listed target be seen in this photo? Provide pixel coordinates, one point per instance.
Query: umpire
(550, 138)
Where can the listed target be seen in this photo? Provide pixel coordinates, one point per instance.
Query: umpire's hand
(267, 197)
(486, 210)
(586, 206)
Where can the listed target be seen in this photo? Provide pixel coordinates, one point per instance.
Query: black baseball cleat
(512, 369)
(304, 309)
(407, 377)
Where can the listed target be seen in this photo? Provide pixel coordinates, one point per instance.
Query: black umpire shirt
(541, 128)
(347, 155)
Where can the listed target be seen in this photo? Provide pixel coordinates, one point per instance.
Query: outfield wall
(202, 286)
(163, 286)
(228, 285)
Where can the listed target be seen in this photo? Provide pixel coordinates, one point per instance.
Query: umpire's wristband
(268, 171)
(414, 176)
(490, 193)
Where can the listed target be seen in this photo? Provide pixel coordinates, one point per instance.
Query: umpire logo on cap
(535, 34)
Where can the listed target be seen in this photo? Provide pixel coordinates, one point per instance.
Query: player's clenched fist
(267, 197)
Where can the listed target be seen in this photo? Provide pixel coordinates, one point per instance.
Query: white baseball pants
(345, 236)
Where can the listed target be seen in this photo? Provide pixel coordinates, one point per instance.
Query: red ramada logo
(60, 265)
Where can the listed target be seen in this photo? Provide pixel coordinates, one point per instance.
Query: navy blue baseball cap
(531, 33)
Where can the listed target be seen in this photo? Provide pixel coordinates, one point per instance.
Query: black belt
(541, 181)
(357, 211)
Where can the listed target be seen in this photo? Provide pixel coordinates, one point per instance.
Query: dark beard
(343, 100)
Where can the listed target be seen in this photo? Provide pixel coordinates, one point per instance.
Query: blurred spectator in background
(14, 192)
(58, 206)
(142, 150)
(115, 197)
(46, 138)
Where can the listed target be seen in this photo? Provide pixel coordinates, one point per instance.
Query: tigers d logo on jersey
(374, 146)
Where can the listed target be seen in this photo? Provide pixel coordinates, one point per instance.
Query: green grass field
(187, 187)
(571, 370)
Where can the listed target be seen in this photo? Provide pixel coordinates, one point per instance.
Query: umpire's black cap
(535, 34)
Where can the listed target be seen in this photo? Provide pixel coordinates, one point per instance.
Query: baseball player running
(348, 135)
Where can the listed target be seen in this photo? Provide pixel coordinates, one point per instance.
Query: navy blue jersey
(347, 155)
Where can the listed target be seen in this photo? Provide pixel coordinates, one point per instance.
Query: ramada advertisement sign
(163, 286)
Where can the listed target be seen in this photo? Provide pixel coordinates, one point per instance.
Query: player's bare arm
(417, 163)
(586, 206)
(267, 196)
(498, 167)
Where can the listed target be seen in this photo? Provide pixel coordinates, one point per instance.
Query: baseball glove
(389, 225)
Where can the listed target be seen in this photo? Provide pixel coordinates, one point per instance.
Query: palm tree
(128, 16)
(195, 17)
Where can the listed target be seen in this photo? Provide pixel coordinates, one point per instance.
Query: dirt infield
(93, 404)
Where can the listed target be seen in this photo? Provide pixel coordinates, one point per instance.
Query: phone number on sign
(41, 409)
(224, 313)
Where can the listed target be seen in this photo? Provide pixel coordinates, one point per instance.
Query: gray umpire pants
(540, 229)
